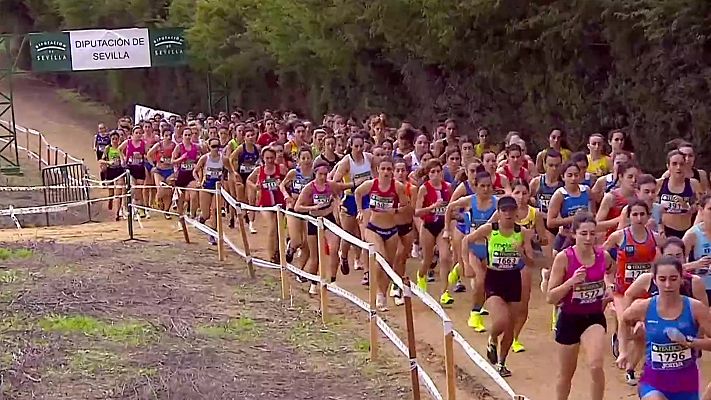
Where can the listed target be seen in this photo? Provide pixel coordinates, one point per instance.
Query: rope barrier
(54, 208)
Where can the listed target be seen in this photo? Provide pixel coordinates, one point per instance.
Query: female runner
(112, 161)
(647, 192)
(150, 138)
(244, 160)
(599, 163)
(328, 154)
(579, 277)
(318, 198)
(557, 142)
(134, 153)
(405, 227)
(466, 188)
(290, 187)
(451, 169)
(508, 252)
(620, 143)
(422, 146)
(208, 171)
(500, 181)
(677, 195)
(565, 203)
(542, 187)
(514, 166)
(609, 214)
(386, 198)
(671, 323)
(431, 205)
(479, 208)
(698, 241)
(161, 154)
(185, 155)
(636, 250)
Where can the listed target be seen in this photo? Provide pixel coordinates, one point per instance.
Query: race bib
(674, 204)
(505, 260)
(270, 184)
(165, 160)
(441, 210)
(116, 162)
(246, 168)
(360, 178)
(633, 271)
(321, 199)
(214, 173)
(381, 203)
(543, 201)
(588, 292)
(669, 356)
(136, 159)
(188, 165)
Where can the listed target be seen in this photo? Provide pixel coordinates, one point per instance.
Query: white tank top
(360, 172)
(213, 168)
(414, 162)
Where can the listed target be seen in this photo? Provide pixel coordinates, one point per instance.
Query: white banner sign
(110, 49)
(142, 112)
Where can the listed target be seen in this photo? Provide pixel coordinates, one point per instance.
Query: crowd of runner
(480, 215)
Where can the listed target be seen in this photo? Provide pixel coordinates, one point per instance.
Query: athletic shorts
(113, 173)
(184, 178)
(349, 205)
(312, 230)
(149, 166)
(165, 173)
(504, 284)
(561, 242)
(479, 250)
(404, 229)
(570, 327)
(669, 232)
(434, 228)
(138, 172)
(645, 390)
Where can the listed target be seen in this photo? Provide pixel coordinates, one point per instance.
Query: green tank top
(113, 155)
(503, 253)
(233, 144)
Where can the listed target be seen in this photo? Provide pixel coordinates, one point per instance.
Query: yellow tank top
(600, 166)
(530, 220)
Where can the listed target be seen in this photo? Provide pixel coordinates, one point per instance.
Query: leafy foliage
(586, 66)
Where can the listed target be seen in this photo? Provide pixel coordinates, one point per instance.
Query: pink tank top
(586, 297)
(134, 153)
(321, 198)
(189, 163)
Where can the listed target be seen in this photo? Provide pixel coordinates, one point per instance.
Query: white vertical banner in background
(110, 49)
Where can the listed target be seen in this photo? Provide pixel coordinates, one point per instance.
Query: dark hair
(305, 150)
(424, 170)
(704, 200)
(567, 165)
(646, 179)
(627, 146)
(514, 147)
(553, 153)
(668, 260)
(578, 157)
(637, 203)
(674, 241)
(582, 218)
(268, 150)
(672, 154)
(321, 163)
(482, 175)
(386, 159)
(519, 182)
(624, 167)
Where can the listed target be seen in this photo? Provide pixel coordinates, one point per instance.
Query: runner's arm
(603, 223)
(288, 180)
(360, 191)
(301, 201)
(554, 219)
(455, 205)
(703, 319)
(151, 153)
(199, 166)
(234, 156)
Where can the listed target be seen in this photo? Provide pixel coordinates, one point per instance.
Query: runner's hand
(578, 276)
(445, 235)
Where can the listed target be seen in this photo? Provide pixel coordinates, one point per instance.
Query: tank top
(331, 164)
(269, 193)
(498, 184)
(300, 180)
(358, 173)
(383, 199)
(616, 209)
(529, 220)
(676, 203)
(510, 175)
(135, 153)
(702, 247)
(610, 182)
(588, 180)
(598, 167)
(102, 141)
(545, 192)
(634, 258)
(246, 161)
(213, 169)
(468, 188)
(165, 154)
(322, 198)
(574, 204)
(668, 366)
(503, 250)
(112, 155)
(585, 297)
(449, 177)
(432, 195)
(192, 156)
(414, 161)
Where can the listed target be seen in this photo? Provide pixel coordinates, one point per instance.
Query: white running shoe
(252, 229)
(381, 302)
(313, 289)
(358, 265)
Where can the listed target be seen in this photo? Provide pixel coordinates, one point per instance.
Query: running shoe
(289, 254)
(484, 311)
(631, 378)
(492, 353)
(476, 321)
(167, 216)
(301, 279)
(459, 287)
(615, 345)
(212, 240)
(313, 289)
(147, 215)
(366, 279)
(453, 276)
(345, 268)
(142, 213)
(396, 294)
(446, 299)
(357, 265)
(393, 290)
(502, 370)
(517, 346)
(381, 302)
(430, 276)
(422, 282)
(252, 229)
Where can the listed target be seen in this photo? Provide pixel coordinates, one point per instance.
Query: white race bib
(669, 356)
(588, 292)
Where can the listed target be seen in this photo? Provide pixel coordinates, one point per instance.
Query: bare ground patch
(141, 321)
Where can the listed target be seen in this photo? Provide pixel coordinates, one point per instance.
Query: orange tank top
(633, 259)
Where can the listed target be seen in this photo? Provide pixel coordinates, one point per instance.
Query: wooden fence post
(245, 242)
(281, 235)
(322, 267)
(411, 344)
(372, 297)
(184, 228)
(218, 223)
(451, 373)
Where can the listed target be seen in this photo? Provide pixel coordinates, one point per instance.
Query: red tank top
(616, 209)
(383, 199)
(633, 259)
(269, 193)
(165, 153)
(432, 196)
(510, 175)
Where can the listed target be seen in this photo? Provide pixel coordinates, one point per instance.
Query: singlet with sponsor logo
(193, 153)
(135, 153)
(634, 258)
(432, 196)
(571, 205)
(545, 193)
(676, 203)
(503, 250)
(585, 297)
(383, 199)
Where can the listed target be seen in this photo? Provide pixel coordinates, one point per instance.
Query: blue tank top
(468, 188)
(588, 180)
(545, 192)
(476, 217)
(449, 177)
(702, 247)
(300, 180)
(676, 203)
(246, 161)
(668, 366)
(571, 204)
